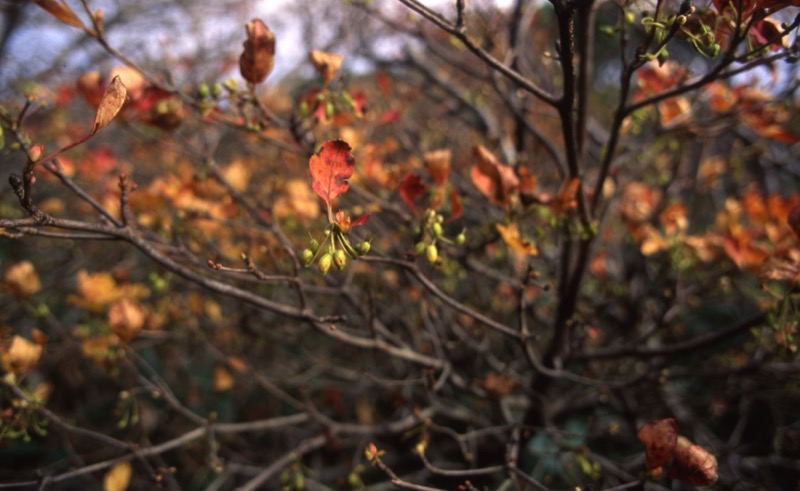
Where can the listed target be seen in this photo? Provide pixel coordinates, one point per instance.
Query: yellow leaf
(22, 279)
(118, 477)
(519, 245)
(22, 356)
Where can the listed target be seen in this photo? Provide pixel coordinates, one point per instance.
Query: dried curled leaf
(258, 56)
(326, 64)
(330, 168)
(496, 181)
(22, 356)
(61, 11)
(112, 101)
(659, 439)
(693, 464)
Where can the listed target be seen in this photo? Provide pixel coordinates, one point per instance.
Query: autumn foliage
(543, 247)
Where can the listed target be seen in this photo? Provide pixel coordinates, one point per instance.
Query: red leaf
(437, 164)
(659, 439)
(330, 168)
(410, 188)
(693, 464)
(360, 220)
(456, 209)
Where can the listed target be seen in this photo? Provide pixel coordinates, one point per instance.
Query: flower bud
(419, 247)
(362, 248)
(431, 253)
(460, 238)
(313, 245)
(324, 263)
(307, 257)
(436, 230)
(340, 259)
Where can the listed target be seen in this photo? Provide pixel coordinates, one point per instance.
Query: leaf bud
(436, 230)
(324, 263)
(419, 247)
(431, 253)
(313, 245)
(340, 259)
(362, 248)
(307, 256)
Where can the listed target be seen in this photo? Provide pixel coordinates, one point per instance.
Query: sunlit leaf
(330, 168)
(112, 101)
(21, 356)
(326, 64)
(22, 279)
(258, 56)
(518, 244)
(118, 478)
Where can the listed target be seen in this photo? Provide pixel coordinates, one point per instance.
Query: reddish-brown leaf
(793, 220)
(61, 11)
(259, 52)
(330, 168)
(112, 101)
(410, 188)
(659, 439)
(496, 181)
(326, 64)
(456, 209)
(693, 464)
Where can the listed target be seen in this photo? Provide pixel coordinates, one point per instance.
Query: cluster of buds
(431, 233)
(334, 250)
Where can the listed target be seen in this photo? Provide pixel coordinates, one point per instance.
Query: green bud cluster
(431, 233)
(334, 250)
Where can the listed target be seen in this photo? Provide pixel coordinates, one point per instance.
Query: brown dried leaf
(23, 279)
(326, 64)
(126, 318)
(61, 11)
(659, 439)
(112, 102)
(498, 385)
(496, 181)
(258, 56)
(22, 356)
(693, 464)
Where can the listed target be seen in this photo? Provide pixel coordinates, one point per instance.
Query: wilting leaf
(496, 181)
(22, 356)
(23, 279)
(693, 464)
(330, 168)
(659, 439)
(118, 477)
(437, 163)
(61, 11)
(258, 56)
(126, 318)
(326, 64)
(410, 188)
(513, 238)
(110, 104)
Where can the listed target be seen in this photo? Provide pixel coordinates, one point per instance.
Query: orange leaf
(110, 104)
(21, 357)
(61, 11)
(659, 439)
(517, 243)
(326, 64)
(330, 169)
(693, 464)
(258, 56)
(437, 163)
(496, 181)
(22, 279)
(456, 209)
(118, 478)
